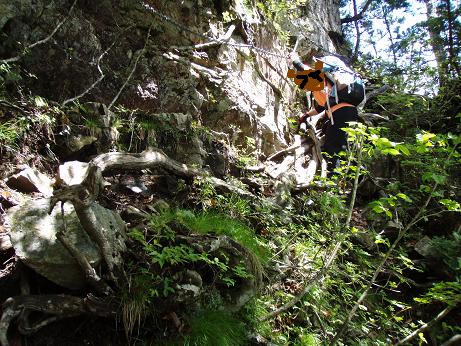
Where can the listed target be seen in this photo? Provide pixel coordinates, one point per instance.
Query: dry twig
(40, 42)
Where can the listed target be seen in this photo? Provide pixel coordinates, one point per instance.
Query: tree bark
(357, 30)
(436, 42)
(454, 66)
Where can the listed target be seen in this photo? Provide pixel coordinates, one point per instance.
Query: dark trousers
(335, 138)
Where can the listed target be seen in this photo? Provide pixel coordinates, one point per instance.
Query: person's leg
(336, 138)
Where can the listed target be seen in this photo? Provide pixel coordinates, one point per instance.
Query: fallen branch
(146, 159)
(283, 152)
(62, 305)
(82, 196)
(425, 326)
(313, 136)
(42, 41)
(90, 274)
(157, 159)
(455, 340)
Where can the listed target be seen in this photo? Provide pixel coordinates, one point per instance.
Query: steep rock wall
(228, 88)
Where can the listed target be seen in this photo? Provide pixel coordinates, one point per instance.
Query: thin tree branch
(321, 274)
(414, 220)
(425, 326)
(380, 267)
(377, 92)
(357, 30)
(42, 41)
(101, 77)
(455, 340)
(141, 53)
(358, 16)
(388, 28)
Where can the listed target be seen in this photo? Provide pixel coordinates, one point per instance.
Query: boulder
(33, 236)
(31, 180)
(426, 248)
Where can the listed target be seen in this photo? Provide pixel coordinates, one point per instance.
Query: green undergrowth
(215, 328)
(207, 222)
(163, 256)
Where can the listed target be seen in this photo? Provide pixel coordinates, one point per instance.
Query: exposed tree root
(153, 158)
(62, 306)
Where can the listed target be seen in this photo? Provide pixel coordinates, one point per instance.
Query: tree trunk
(454, 66)
(436, 42)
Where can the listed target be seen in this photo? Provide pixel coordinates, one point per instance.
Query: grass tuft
(216, 328)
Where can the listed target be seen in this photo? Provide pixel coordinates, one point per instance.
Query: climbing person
(337, 101)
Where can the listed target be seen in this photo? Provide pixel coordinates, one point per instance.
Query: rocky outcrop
(33, 236)
(107, 47)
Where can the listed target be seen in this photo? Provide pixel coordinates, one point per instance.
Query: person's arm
(308, 114)
(297, 63)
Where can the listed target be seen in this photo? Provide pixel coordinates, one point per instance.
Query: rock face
(33, 235)
(31, 180)
(225, 87)
(319, 25)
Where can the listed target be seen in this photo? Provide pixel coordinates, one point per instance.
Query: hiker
(338, 110)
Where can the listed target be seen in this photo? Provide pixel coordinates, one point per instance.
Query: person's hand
(302, 117)
(294, 56)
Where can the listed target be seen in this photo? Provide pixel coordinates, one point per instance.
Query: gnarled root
(62, 306)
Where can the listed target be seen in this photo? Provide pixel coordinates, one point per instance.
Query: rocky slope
(194, 85)
(130, 46)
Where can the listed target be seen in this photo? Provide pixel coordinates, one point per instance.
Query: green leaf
(137, 235)
(390, 151)
(439, 179)
(40, 102)
(431, 176)
(422, 339)
(450, 204)
(404, 197)
(403, 149)
(363, 307)
(424, 137)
